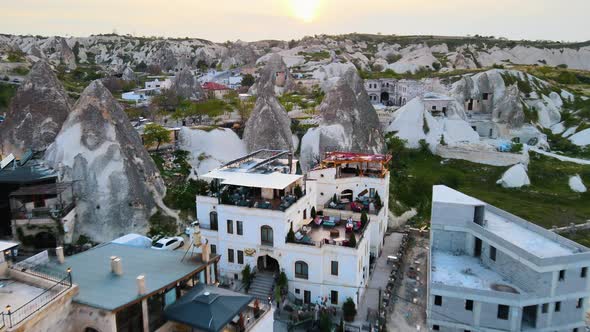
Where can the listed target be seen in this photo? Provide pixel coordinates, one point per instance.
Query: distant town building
(216, 90)
(493, 271)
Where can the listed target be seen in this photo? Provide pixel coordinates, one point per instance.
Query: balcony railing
(44, 212)
(14, 317)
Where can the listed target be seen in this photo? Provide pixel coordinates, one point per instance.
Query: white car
(169, 243)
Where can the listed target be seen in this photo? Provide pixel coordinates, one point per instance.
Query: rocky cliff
(275, 78)
(269, 126)
(186, 86)
(348, 122)
(116, 182)
(36, 112)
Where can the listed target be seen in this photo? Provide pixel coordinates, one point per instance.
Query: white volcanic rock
(116, 183)
(275, 78)
(128, 74)
(581, 138)
(409, 125)
(348, 122)
(413, 60)
(329, 74)
(210, 149)
(36, 112)
(576, 184)
(506, 104)
(186, 85)
(515, 177)
(269, 125)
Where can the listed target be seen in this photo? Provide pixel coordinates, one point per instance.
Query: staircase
(262, 285)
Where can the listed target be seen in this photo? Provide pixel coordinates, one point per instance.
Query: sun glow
(305, 10)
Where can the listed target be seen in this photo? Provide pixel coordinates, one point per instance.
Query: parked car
(169, 243)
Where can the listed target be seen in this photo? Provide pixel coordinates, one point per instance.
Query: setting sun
(305, 10)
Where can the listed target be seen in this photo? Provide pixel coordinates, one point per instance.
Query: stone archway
(267, 263)
(384, 97)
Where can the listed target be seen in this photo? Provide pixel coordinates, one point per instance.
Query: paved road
(379, 278)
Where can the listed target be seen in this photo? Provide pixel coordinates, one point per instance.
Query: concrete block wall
(454, 242)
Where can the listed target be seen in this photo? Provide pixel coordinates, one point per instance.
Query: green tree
(155, 134)
(248, 80)
(313, 212)
(378, 202)
(349, 309)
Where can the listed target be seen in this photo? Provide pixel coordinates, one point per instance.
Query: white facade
(492, 271)
(157, 84)
(334, 271)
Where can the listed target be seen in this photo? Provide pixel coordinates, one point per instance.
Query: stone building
(393, 92)
(493, 271)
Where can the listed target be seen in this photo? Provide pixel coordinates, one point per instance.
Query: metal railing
(37, 266)
(14, 317)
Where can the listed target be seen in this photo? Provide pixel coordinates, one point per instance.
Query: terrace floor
(15, 293)
(335, 235)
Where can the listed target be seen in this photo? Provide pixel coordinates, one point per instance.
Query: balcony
(328, 230)
(252, 198)
(56, 211)
(359, 205)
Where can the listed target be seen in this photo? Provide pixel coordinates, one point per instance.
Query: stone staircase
(262, 286)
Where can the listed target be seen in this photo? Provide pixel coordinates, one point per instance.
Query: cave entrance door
(384, 97)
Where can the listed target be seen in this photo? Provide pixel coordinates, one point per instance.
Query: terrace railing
(12, 318)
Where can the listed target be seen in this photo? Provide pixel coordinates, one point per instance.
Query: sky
(250, 20)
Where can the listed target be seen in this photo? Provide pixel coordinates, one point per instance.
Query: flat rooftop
(465, 271)
(524, 238)
(275, 169)
(100, 288)
(522, 234)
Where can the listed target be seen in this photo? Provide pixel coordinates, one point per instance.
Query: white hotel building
(255, 200)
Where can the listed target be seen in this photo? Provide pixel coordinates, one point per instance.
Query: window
(575, 329)
(437, 300)
(266, 235)
(334, 297)
(503, 311)
(213, 220)
(485, 96)
(584, 272)
(230, 227)
(239, 227)
(306, 297)
(230, 255)
(334, 268)
(557, 306)
(580, 303)
(171, 242)
(297, 291)
(493, 253)
(434, 108)
(545, 308)
(240, 257)
(301, 270)
(435, 328)
(562, 275)
(469, 305)
(213, 249)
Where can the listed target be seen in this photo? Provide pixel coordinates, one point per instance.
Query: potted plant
(349, 310)
(256, 308)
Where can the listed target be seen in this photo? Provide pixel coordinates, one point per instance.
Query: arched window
(301, 270)
(90, 329)
(266, 237)
(213, 220)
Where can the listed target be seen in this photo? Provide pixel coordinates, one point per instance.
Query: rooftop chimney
(205, 255)
(117, 266)
(59, 252)
(140, 284)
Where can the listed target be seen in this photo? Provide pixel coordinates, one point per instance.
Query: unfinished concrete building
(493, 271)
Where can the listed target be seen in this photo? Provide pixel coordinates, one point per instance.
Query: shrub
(325, 322)
(378, 202)
(364, 218)
(516, 148)
(291, 235)
(349, 310)
(436, 66)
(352, 240)
(313, 212)
(247, 277)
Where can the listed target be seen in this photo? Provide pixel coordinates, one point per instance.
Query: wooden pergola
(337, 159)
